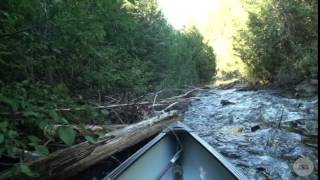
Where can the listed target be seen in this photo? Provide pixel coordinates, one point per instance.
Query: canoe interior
(197, 160)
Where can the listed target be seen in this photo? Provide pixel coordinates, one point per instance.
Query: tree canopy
(280, 42)
(108, 46)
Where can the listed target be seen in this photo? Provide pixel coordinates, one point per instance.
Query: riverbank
(304, 89)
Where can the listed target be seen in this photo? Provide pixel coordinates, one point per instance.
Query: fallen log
(72, 160)
(84, 129)
(185, 95)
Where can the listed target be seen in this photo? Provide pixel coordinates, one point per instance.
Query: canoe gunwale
(219, 157)
(176, 128)
(134, 157)
(236, 173)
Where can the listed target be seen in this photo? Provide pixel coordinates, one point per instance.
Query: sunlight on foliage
(218, 21)
(279, 43)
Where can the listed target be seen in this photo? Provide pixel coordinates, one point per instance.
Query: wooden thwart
(72, 160)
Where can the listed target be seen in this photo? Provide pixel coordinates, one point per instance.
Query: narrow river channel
(260, 132)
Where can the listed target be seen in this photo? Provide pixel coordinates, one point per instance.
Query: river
(260, 132)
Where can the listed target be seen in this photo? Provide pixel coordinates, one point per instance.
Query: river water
(260, 132)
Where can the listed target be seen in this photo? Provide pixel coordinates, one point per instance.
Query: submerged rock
(232, 129)
(255, 128)
(224, 102)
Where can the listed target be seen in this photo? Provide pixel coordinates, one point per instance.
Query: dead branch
(170, 106)
(144, 103)
(117, 115)
(185, 95)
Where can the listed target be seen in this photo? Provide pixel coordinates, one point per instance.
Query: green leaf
(1, 138)
(1, 151)
(63, 120)
(12, 134)
(90, 139)
(105, 112)
(12, 103)
(4, 125)
(12, 151)
(56, 50)
(54, 115)
(34, 139)
(42, 150)
(42, 124)
(66, 134)
(30, 114)
(26, 170)
(132, 1)
(95, 114)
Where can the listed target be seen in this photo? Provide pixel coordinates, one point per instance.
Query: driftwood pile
(69, 161)
(72, 160)
(123, 114)
(137, 109)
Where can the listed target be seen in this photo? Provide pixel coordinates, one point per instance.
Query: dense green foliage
(280, 43)
(107, 46)
(53, 52)
(28, 111)
(36, 106)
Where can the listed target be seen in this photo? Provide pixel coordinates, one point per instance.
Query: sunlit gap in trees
(217, 20)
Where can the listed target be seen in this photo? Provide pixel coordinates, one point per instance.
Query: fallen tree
(72, 160)
(84, 129)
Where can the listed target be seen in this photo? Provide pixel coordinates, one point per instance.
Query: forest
(73, 54)
(280, 42)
